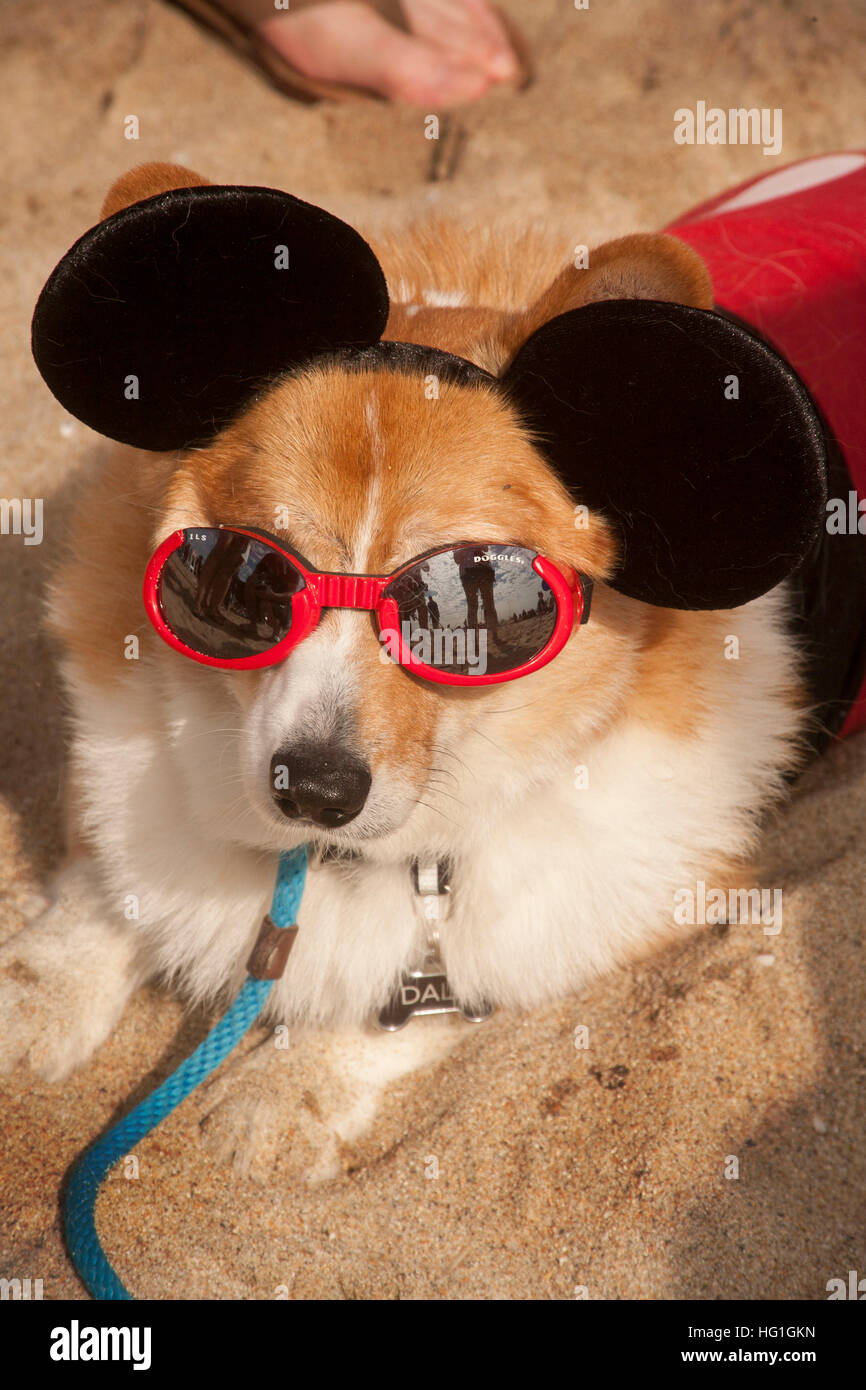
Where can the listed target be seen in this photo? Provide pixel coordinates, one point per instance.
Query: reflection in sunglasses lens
(226, 595)
(475, 610)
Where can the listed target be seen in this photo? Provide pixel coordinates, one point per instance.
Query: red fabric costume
(787, 255)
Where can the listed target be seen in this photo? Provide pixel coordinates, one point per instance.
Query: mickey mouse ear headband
(162, 320)
(689, 432)
(693, 435)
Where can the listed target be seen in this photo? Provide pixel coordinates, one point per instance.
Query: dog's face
(362, 471)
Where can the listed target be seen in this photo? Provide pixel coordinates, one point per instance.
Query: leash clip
(431, 877)
(271, 952)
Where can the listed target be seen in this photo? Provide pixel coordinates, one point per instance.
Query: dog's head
(617, 426)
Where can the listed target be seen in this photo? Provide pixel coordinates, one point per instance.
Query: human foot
(454, 52)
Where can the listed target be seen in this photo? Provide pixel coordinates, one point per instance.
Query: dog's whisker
(510, 709)
(442, 772)
(491, 741)
(233, 805)
(426, 804)
(448, 752)
(439, 791)
(435, 781)
(186, 737)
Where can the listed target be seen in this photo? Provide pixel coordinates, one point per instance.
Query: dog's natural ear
(647, 265)
(162, 321)
(690, 432)
(146, 181)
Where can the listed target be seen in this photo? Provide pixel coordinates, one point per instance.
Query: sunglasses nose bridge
(349, 591)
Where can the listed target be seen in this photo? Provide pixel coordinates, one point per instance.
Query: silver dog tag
(426, 991)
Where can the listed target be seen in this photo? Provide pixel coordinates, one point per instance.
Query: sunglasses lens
(226, 595)
(474, 610)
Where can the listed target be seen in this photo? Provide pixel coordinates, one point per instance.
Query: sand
(562, 1171)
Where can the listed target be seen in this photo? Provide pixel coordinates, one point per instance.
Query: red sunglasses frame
(325, 589)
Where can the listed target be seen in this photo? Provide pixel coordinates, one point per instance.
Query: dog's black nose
(322, 783)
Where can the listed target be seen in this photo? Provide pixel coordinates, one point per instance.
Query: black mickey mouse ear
(692, 433)
(160, 322)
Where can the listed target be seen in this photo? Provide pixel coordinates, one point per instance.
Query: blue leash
(95, 1163)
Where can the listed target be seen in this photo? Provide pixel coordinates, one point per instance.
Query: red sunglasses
(467, 614)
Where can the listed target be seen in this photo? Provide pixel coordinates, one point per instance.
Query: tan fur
(505, 270)
(642, 266)
(522, 276)
(146, 181)
(96, 600)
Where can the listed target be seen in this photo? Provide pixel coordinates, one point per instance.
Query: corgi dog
(549, 457)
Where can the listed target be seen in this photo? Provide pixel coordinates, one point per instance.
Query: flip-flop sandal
(236, 21)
